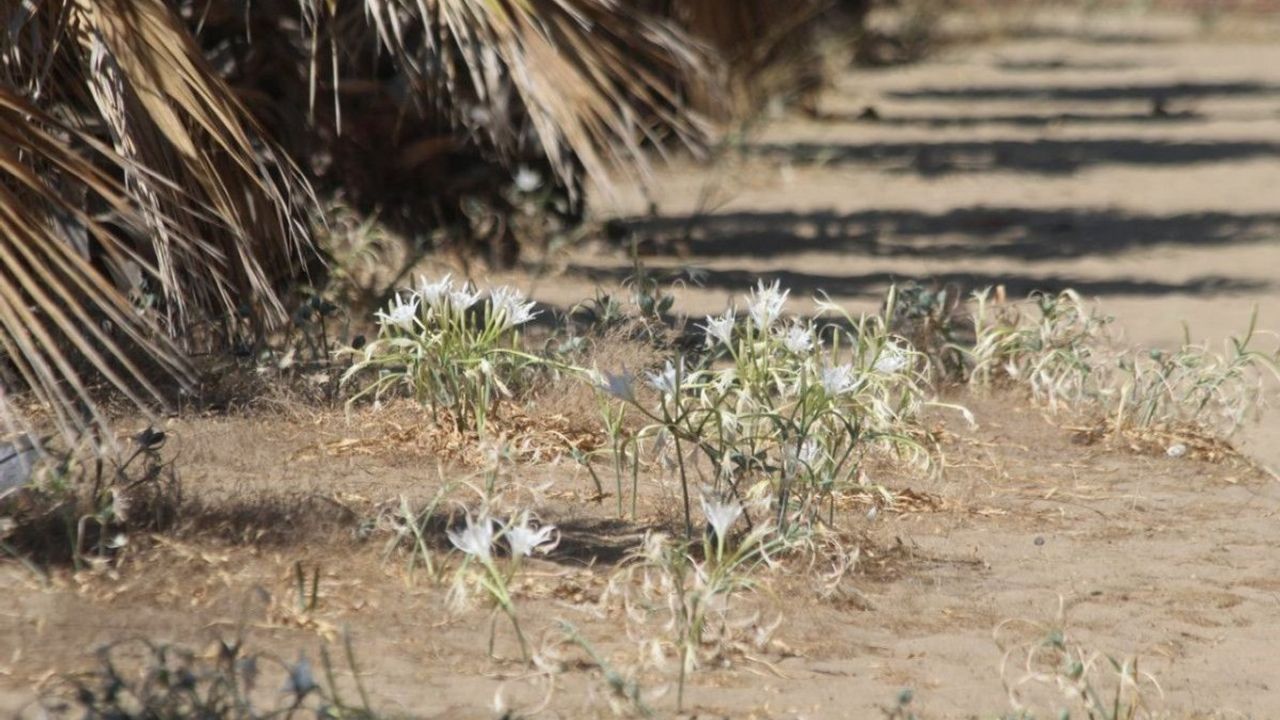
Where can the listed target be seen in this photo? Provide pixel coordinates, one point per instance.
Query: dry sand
(1034, 164)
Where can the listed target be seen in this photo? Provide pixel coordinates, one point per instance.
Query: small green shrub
(450, 348)
(143, 680)
(786, 408)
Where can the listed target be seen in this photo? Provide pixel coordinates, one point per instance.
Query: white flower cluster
(765, 304)
(477, 537)
(442, 299)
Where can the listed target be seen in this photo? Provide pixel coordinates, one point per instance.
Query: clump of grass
(141, 679)
(83, 512)
(1194, 385)
(687, 590)
(1061, 349)
(1055, 347)
(449, 348)
(1056, 677)
(788, 409)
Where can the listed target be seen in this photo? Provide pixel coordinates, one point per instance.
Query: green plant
(622, 689)
(476, 541)
(1194, 385)
(451, 351)
(793, 408)
(174, 682)
(692, 598)
(901, 709)
(1064, 354)
(1056, 350)
(1059, 677)
(929, 320)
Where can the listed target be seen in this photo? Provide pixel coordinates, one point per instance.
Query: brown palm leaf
(125, 160)
(597, 80)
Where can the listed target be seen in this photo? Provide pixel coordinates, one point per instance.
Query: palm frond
(597, 81)
(53, 301)
(126, 162)
(767, 48)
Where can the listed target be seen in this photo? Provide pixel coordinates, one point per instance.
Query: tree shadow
(1031, 120)
(591, 541)
(870, 285)
(1064, 64)
(1092, 37)
(972, 232)
(1048, 157)
(1073, 93)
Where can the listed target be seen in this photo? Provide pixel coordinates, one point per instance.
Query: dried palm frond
(53, 300)
(126, 163)
(132, 168)
(768, 48)
(589, 82)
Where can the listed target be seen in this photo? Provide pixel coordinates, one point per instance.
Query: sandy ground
(1037, 165)
(1142, 173)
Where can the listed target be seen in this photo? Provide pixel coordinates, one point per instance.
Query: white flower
(527, 179)
(722, 514)
(475, 539)
(838, 380)
(798, 339)
(401, 313)
(892, 360)
(809, 453)
(666, 381)
(765, 303)
(463, 298)
(806, 459)
(720, 328)
(725, 379)
(300, 681)
(621, 386)
(524, 540)
(729, 426)
(510, 307)
(435, 294)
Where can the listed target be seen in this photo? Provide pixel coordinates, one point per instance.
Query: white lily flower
(475, 539)
(725, 379)
(810, 452)
(839, 379)
(720, 328)
(729, 425)
(765, 303)
(666, 381)
(621, 386)
(527, 179)
(798, 339)
(524, 540)
(463, 298)
(510, 307)
(721, 514)
(401, 313)
(892, 360)
(435, 294)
